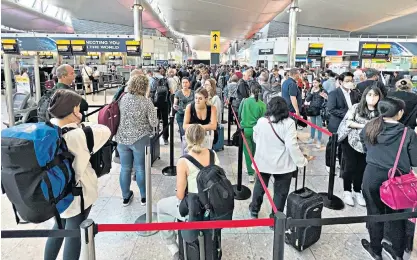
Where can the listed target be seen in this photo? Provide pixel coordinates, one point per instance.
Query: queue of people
(368, 123)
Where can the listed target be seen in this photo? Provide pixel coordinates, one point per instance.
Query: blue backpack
(37, 174)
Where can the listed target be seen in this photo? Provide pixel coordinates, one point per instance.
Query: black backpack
(161, 90)
(215, 191)
(43, 105)
(100, 160)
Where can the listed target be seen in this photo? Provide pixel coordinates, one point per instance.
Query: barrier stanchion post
(222, 98)
(279, 236)
(170, 170)
(105, 96)
(329, 199)
(241, 191)
(88, 251)
(149, 216)
(228, 142)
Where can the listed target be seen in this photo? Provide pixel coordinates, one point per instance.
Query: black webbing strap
(89, 137)
(40, 233)
(53, 201)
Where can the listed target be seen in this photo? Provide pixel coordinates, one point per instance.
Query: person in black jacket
(382, 137)
(243, 89)
(339, 102)
(372, 76)
(404, 92)
(316, 97)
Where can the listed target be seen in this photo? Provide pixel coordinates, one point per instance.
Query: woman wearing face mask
(354, 157)
(199, 112)
(316, 99)
(65, 107)
(382, 137)
(214, 100)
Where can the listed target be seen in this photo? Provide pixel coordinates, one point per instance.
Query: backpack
(215, 191)
(43, 105)
(109, 115)
(42, 185)
(100, 160)
(161, 90)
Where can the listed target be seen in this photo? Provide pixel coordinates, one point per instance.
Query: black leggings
(72, 248)
(354, 164)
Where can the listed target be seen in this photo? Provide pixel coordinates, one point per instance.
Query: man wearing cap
(372, 76)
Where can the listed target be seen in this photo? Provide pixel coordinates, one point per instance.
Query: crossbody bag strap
(394, 169)
(273, 129)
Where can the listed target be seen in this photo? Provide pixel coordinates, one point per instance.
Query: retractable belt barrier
(321, 129)
(95, 111)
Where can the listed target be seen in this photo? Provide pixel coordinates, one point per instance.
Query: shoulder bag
(399, 192)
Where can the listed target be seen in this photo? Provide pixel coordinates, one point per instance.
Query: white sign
(396, 60)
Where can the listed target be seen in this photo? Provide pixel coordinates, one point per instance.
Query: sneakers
(251, 178)
(318, 145)
(348, 198)
(310, 141)
(128, 200)
(359, 199)
(328, 169)
(389, 251)
(143, 201)
(253, 214)
(166, 142)
(367, 246)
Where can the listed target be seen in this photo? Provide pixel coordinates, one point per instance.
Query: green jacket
(250, 111)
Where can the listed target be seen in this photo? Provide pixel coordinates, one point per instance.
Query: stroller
(24, 108)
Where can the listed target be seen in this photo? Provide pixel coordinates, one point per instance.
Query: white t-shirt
(85, 176)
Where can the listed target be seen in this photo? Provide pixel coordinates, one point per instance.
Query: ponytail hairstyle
(255, 89)
(387, 107)
(194, 136)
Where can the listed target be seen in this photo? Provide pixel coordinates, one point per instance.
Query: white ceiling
(20, 17)
(235, 19)
(353, 15)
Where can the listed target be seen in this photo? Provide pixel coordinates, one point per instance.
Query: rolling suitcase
(303, 204)
(219, 146)
(211, 250)
(155, 146)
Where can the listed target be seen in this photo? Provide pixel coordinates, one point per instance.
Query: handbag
(399, 192)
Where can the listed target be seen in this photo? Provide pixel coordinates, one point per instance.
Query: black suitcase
(212, 249)
(303, 204)
(155, 146)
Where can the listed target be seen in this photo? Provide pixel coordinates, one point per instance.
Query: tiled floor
(340, 242)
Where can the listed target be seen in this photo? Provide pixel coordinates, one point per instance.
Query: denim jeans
(133, 156)
(72, 247)
(282, 184)
(180, 121)
(319, 122)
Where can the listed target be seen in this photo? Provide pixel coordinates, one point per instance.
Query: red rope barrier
(199, 225)
(268, 195)
(324, 131)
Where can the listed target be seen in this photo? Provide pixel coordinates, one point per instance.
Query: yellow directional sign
(215, 42)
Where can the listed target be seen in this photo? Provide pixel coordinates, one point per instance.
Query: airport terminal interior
(328, 88)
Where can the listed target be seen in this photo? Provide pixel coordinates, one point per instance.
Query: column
(230, 53)
(37, 78)
(292, 33)
(183, 52)
(236, 47)
(9, 87)
(138, 28)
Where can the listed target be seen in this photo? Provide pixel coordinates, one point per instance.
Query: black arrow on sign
(215, 37)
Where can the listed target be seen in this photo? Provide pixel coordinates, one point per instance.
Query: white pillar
(37, 78)
(236, 47)
(292, 34)
(138, 27)
(9, 88)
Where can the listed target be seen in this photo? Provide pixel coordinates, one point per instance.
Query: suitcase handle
(304, 178)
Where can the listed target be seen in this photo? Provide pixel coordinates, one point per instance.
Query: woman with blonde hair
(168, 209)
(138, 118)
(214, 99)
